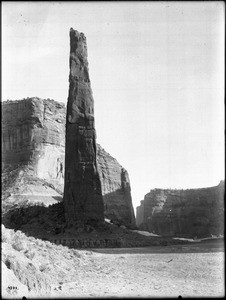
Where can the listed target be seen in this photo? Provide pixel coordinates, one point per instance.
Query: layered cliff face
(83, 201)
(191, 212)
(33, 156)
(33, 133)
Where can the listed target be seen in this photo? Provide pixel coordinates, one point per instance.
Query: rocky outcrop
(115, 188)
(33, 153)
(83, 201)
(191, 212)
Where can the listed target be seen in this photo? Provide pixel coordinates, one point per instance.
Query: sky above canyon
(157, 75)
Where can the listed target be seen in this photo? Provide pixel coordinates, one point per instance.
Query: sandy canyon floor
(170, 271)
(191, 270)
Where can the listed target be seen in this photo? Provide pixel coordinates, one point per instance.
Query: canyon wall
(33, 133)
(188, 213)
(115, 188)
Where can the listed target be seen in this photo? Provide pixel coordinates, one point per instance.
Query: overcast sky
(157, 75)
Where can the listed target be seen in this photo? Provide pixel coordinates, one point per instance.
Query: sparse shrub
(89, 228)
(49, 245)
(163, 243)
(31, 239)
(76, 253)
(41, 221)
(119, 242)
(57, 230)
(40, 243)
(19, 244)
(8, 263)
(155, 243)
(29, 254)
(45, 267)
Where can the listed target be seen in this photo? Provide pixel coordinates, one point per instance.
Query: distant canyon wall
(33, 132)
(191, 212)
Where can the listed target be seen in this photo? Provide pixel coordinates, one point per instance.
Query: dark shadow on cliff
(118, 208)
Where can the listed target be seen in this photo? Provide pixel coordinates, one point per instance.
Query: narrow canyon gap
(83, 201)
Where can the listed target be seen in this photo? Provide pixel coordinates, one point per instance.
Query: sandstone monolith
(83, 201)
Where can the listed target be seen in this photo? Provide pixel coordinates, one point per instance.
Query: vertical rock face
(83, 199)
(33, 133)
(191, 212)
(115, 189)
(140, 213)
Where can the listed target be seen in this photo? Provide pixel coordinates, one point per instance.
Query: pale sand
(122, 273)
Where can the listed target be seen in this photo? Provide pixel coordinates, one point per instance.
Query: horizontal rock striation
(33, 134)
(190, 213)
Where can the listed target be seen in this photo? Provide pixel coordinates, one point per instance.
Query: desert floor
(195, 270)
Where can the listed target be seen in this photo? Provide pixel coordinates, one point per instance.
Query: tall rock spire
(83, 201)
